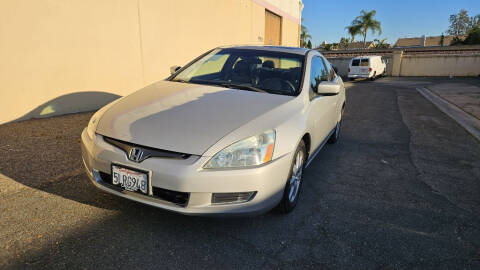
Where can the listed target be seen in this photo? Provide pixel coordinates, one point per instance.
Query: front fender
(287, 120)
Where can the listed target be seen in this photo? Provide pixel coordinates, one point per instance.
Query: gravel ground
(398, 191)
(41, 151)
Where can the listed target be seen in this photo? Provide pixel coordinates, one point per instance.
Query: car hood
(182, 117)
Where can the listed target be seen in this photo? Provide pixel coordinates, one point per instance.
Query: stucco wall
(289, 28)
(61, 56)
(440, 65)
(341, 63)
(428, 65)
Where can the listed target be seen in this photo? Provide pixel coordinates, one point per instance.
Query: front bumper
(268, 180)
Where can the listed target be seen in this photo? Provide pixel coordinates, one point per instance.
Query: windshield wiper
(243, 87)
(197, 82)
(228, 85)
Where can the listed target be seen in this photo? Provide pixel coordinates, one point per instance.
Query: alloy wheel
(295, 180)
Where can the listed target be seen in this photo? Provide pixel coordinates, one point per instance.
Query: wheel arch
(308, 142)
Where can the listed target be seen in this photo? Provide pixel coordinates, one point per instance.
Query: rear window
(364, 63)
(355, 62)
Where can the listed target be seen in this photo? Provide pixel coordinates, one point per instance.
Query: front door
(273, 28)
(322, 109)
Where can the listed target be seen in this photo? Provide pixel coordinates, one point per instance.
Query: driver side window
(318, 73)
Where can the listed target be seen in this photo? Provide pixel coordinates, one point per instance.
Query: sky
(326, 19)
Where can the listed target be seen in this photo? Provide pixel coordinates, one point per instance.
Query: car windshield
(247, 69)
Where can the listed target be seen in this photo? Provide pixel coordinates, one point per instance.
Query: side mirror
(328, 88)
(174, 69)
(335, 68)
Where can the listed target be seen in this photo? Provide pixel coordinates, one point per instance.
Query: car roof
(284, 49)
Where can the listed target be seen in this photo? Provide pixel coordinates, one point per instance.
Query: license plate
(130, 179)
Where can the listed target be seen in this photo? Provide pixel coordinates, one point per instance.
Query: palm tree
(381, 44)
(353, 30)
(304, 36)
(366, 22)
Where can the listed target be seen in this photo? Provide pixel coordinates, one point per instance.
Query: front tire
(293, 186)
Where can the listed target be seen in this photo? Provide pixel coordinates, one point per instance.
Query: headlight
(252, 151)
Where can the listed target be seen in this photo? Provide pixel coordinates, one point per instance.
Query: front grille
(147, 152)
(178, 198)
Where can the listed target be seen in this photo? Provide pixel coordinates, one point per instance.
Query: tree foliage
(475, 22)
(331, 46)
(309, 44)
(381, 43)
(473, 37)
(305, 37)
(343, 44)
(461, 23)
(363, 23)
(353, 30)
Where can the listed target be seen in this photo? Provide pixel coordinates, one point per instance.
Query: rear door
(364, 66)
(359, 66)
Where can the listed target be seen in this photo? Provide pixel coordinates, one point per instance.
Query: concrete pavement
(398, 191)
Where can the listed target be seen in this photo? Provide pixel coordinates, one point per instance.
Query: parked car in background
(230, 133)
(369, 67)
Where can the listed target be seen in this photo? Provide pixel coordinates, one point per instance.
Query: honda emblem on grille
(135, 154)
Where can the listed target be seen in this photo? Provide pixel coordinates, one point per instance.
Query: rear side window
(355, 62)
(364, 63)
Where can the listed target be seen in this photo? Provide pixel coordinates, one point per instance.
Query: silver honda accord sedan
(229, 133)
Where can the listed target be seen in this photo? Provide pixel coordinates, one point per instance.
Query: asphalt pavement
(400, 190)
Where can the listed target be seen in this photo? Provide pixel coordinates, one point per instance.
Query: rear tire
(373, 77)
(294, 183)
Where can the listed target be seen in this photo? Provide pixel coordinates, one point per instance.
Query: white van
(366, 67)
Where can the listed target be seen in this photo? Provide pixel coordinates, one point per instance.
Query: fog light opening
(233, 197)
